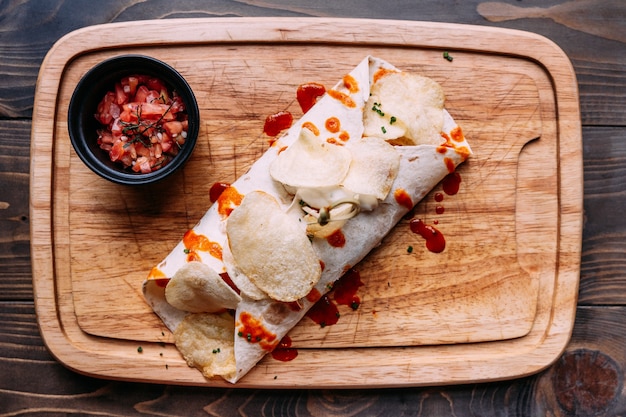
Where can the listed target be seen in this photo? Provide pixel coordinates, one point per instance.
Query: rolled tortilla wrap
(260, 321)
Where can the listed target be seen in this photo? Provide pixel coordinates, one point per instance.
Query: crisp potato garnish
(272, 249)
(311, 162)
(375, 165)
(197, 288)
(405, 109)
(206, 342)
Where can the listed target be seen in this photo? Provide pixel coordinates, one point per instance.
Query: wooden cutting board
(499, 302)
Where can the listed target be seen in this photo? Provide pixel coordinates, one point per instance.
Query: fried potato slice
(206, 341)
(197, 288)
(405, 109)
(272, 249)
(247, 287)
(375, 165)
(311, 162)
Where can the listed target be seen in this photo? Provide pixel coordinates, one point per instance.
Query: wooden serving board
(499, 302)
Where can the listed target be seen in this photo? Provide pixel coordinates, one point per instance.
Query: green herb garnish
(376, 108)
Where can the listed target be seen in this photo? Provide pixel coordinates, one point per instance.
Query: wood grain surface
(592, 366)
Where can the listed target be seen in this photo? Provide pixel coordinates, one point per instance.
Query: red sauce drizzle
(193, 256)
(381, 72)
(216, 190)
(313, 295)
(337, 239)
(156, 273)
(311, 126)
(162, 282)
(451, 183)
(350, 83)
(403, 198)
(435, 241)
(438, 197)
(332, 124)
(345, 99)
(439, 209)
(228, 200)
(345, 289)
(226, 278)
(277, 122)
(457, 134)
(254, 331)
(284, 352)
(194, 242)
(449, 164)
(308, 94)
(344, 292)
(324, 312)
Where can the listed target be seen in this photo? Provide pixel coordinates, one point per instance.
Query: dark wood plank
(604, 233)
(37, 382)
(587, 30)
(16, 282)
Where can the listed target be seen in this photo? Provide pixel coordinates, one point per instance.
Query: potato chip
(247, 287)
(197, 288)
(206, 342)
(375, 164)
(405, 109)
(311, 162)
(272, 249)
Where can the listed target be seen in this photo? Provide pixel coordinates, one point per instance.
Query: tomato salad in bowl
(145, 125)
(133, 119)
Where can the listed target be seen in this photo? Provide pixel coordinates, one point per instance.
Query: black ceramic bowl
(83, 126)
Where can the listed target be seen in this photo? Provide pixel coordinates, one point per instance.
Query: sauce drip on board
(284, 352)
(344, 292)
(277, 122)
(346, 288)
(216, 190)
(308, 94)
(324, 312)
(451, 183)
(435, 241)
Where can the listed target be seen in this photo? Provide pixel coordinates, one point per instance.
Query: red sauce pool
(308, 94)
(346, 288)
(451, 183)
(284, 352)
(216, 190)
(277, 122)
(324, 312)
(435, 241)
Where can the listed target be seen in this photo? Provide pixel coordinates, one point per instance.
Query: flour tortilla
(418, 168)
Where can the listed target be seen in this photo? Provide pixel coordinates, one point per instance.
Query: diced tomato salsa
(143, 124)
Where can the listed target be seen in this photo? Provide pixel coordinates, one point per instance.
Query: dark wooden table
(588, 379)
